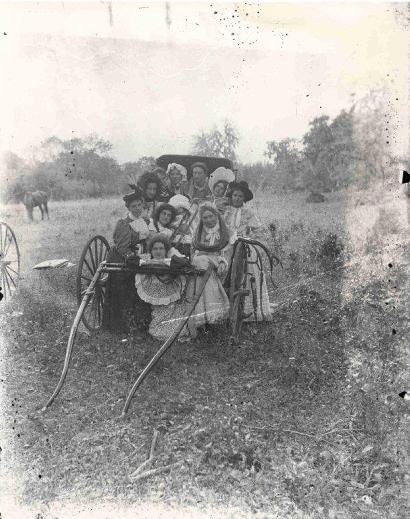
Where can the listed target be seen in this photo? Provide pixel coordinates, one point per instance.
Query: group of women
(197, 219)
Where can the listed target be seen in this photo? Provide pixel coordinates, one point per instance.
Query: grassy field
(302, 419)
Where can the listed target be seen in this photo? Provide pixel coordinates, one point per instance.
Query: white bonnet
(178, 201)
(225, 174)
(181, 169)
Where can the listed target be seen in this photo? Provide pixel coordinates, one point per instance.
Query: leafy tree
(217, 143)
(331, 151)
(288, 163)
(132, 170)
(73, 168)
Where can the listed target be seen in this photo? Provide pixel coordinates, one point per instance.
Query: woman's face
(165, 217)
(209, 219)
(175, 177)
(238, 198)
(151, 190)
(158, 250)
(219, 189)
(136, 207)
(199, 176)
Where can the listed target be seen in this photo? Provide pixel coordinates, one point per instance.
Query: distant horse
(36, 199)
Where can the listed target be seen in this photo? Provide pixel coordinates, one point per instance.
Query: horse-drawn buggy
(95, 267)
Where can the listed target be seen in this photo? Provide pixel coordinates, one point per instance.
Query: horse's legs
(46, 210)
(42, 212)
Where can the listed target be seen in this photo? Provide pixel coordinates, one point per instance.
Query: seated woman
(210, 240)
(121, 298)
(177, 178)
(150, 185)
(197, 189)
(163, 222)
(183, 230)
(242, 222)
(218, 184)
(164, 292)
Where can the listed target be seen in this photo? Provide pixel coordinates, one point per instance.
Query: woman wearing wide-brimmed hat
(121, 299)
(242, 222)
(151, 186)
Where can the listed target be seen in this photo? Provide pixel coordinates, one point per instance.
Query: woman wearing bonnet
(121, 299)
(177, 178)
(210, 240)
(182, 226)
(218, 184)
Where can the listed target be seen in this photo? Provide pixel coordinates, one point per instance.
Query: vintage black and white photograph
(204, 260)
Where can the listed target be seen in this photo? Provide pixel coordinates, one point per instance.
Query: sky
(148, 78)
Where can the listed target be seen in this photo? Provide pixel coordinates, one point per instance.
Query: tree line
(351, 149)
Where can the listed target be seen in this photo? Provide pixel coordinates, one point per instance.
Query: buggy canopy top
(187, 161)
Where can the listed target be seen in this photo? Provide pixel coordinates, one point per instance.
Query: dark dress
(123, 308)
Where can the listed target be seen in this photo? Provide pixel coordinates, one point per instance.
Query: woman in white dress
(209, 243)
(164, 292)
(242, 222)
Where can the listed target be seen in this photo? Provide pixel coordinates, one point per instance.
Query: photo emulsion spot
(204, 260)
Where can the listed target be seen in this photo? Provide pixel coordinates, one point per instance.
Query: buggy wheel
(94, 253)
(237, 289)
(9, 261)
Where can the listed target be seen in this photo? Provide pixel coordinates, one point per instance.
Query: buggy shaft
(73, 332)
(167, 344)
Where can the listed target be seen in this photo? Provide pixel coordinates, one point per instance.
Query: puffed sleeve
(252, 221)
(122, 237)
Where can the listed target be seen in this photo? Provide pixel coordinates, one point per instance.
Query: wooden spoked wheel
(94, 253)
(237, 289)
(9, 261)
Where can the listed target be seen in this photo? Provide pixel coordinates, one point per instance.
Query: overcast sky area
(148, 79)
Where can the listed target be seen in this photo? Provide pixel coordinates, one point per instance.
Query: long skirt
(123, 308)
(213, 305)
(257, 305)
(166, 319)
